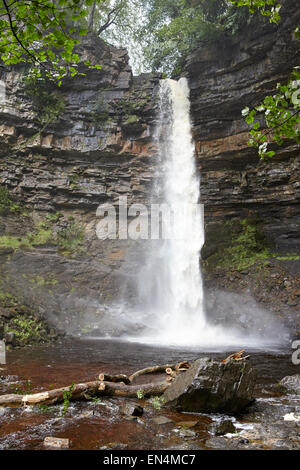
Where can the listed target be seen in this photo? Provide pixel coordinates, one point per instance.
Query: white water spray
(180, 293)
(169, 305)
(171, 290)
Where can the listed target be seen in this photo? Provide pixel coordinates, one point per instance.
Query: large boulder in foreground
(290, 384)
(210, 386)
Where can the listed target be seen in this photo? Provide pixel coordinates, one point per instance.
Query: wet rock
(56, 443)
(290, 384)
(5, 313)
(114, 446)
(131, 409)
(10, 338)
(210, 386)
(162, 420)
(187, 433)
(292, 417)
(187, 424)
(223, 427)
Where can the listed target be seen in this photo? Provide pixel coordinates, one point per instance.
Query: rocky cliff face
(66, 150)
(237, 188)
(63, 152)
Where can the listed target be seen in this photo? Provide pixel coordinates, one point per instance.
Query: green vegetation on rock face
(280, 113)
(26, 330)
(6, 203)
(48, 105)
(245, 246)
(69, 238)
(19, 320)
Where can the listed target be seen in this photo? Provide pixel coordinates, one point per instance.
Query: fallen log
(151, 370)
(84, 391)
(131, 391)
(237, 356)
(104, 377)
(183, 365)
(51, 397)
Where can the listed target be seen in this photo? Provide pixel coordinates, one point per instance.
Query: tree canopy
(158, 33)
(43, 33)
(277, 117)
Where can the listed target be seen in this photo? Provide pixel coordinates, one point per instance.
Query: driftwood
(104, 377)
(50, 397)
(160, 369)
(237, 356)
(84, 391)
(130, 391)
(119, 385)
(151, 370)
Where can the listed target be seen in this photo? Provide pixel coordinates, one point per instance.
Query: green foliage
(43, 408)
(26, 390)
(6, 203)
(54, 217)
(140, 394)
(71, 238)
(157, 402)
(278, 116)
(26, 329)
(245, 248)
(248, 247)
(67, 395)
(48, 105)
(281, 116)
(269, 8)
(14, 243)
(43, 33)
(173, 27)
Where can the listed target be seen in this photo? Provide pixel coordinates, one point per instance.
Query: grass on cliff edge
(68, 240)
(246, 247)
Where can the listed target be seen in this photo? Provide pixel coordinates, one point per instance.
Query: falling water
(170, 308)
(171, 290)
(179, 293)
(166, 305)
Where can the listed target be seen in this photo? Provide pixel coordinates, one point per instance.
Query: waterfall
(170, 284)
(179, 293)
(168, 302)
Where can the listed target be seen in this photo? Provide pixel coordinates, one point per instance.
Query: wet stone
(131, 409)
(162, 420)
(56, 443)
(187, 424)
(291, 384)
(226, 426)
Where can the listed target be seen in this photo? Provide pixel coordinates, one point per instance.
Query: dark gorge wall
(252, 207)
(64, 151)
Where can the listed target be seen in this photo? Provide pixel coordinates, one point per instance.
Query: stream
(100, 424)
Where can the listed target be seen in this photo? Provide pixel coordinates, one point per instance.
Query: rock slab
(212, 387)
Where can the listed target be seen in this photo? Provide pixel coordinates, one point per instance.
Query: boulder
(56, 443)
(212, 387)
(290, 384)
(10, 338)
(131, 409)
(225, 426)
